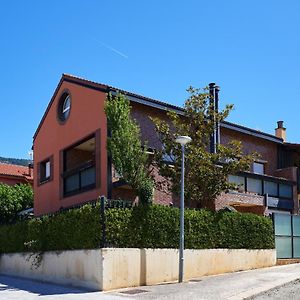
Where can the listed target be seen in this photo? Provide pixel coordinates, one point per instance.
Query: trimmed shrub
(143, 226)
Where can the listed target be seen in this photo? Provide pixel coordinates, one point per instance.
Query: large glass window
(254, 185)
(259, 185)
(79, 167)
(285, 191)
(237, 180)
(271, 188)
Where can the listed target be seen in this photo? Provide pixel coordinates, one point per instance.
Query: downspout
(109, 163)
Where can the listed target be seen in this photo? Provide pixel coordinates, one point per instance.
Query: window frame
(66, 107)
(264, 179)
(78, 170)
(43, 165)
(63, 113)
(263, 164)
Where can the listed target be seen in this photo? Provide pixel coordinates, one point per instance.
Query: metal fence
(287, 235)
(107, 204)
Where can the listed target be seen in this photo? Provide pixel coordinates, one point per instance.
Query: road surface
(290, 291)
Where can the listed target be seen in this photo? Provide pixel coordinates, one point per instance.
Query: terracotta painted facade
(87, 119)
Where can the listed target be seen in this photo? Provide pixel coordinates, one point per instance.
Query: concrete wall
(82, 268)
(111, 268)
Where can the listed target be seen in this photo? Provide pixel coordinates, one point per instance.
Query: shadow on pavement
(11, 283)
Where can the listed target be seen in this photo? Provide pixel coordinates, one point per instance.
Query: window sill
(45, 181)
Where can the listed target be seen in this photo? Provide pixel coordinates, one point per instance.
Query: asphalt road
(290, 291)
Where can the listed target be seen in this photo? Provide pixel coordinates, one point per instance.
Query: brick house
(14, 174)
(71, 164)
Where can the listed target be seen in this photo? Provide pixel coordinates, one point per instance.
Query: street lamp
(182, 140)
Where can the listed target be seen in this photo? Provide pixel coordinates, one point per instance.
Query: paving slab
(231, 286)
(16, 288)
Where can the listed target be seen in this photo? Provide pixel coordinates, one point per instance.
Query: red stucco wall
(86, 117)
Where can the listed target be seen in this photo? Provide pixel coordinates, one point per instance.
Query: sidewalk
(231, 286)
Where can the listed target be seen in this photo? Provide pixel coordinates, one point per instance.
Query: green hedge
(153, 226)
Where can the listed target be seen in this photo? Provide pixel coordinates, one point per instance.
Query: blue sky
(154, 48)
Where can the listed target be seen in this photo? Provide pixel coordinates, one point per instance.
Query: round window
(64, 107)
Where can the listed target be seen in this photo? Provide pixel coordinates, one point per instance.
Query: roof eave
(252, 132)
(149, 102)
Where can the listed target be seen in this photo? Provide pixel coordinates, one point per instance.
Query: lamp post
(182, 140)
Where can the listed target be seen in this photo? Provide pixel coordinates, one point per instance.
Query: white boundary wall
(111, 268)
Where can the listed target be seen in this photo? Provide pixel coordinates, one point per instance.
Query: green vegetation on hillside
(15, 161)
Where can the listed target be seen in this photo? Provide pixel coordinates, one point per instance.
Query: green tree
(206, 173)
(129, 156)
(14, 199)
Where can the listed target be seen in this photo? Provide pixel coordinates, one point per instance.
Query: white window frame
(67, 105)
(47, 169)
(257, 165)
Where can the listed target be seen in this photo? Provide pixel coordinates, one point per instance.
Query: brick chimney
(280, 131)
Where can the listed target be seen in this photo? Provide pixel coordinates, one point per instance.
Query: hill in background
(15, 161)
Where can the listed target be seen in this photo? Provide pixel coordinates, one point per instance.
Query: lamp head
(183, 140)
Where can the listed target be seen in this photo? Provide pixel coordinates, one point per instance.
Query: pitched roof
(16, 171)
(147, 101)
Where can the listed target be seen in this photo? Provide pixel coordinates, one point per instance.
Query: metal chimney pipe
(212, 118)
(218, 136)
(279, 124)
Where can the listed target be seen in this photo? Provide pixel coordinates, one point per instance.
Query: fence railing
(107, 204)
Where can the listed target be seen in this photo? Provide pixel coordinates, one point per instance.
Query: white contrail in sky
(112, 49)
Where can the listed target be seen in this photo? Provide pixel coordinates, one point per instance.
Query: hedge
(153, 226)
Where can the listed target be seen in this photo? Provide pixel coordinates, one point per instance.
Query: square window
(238, 180)
(258, 168)
(285, 191)
(45, 170)
(271, 188)
(254, 186)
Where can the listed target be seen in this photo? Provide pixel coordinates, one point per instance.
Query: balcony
(279, 190)
(80, 179)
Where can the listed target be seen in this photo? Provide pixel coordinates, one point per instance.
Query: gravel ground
(290, 291)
